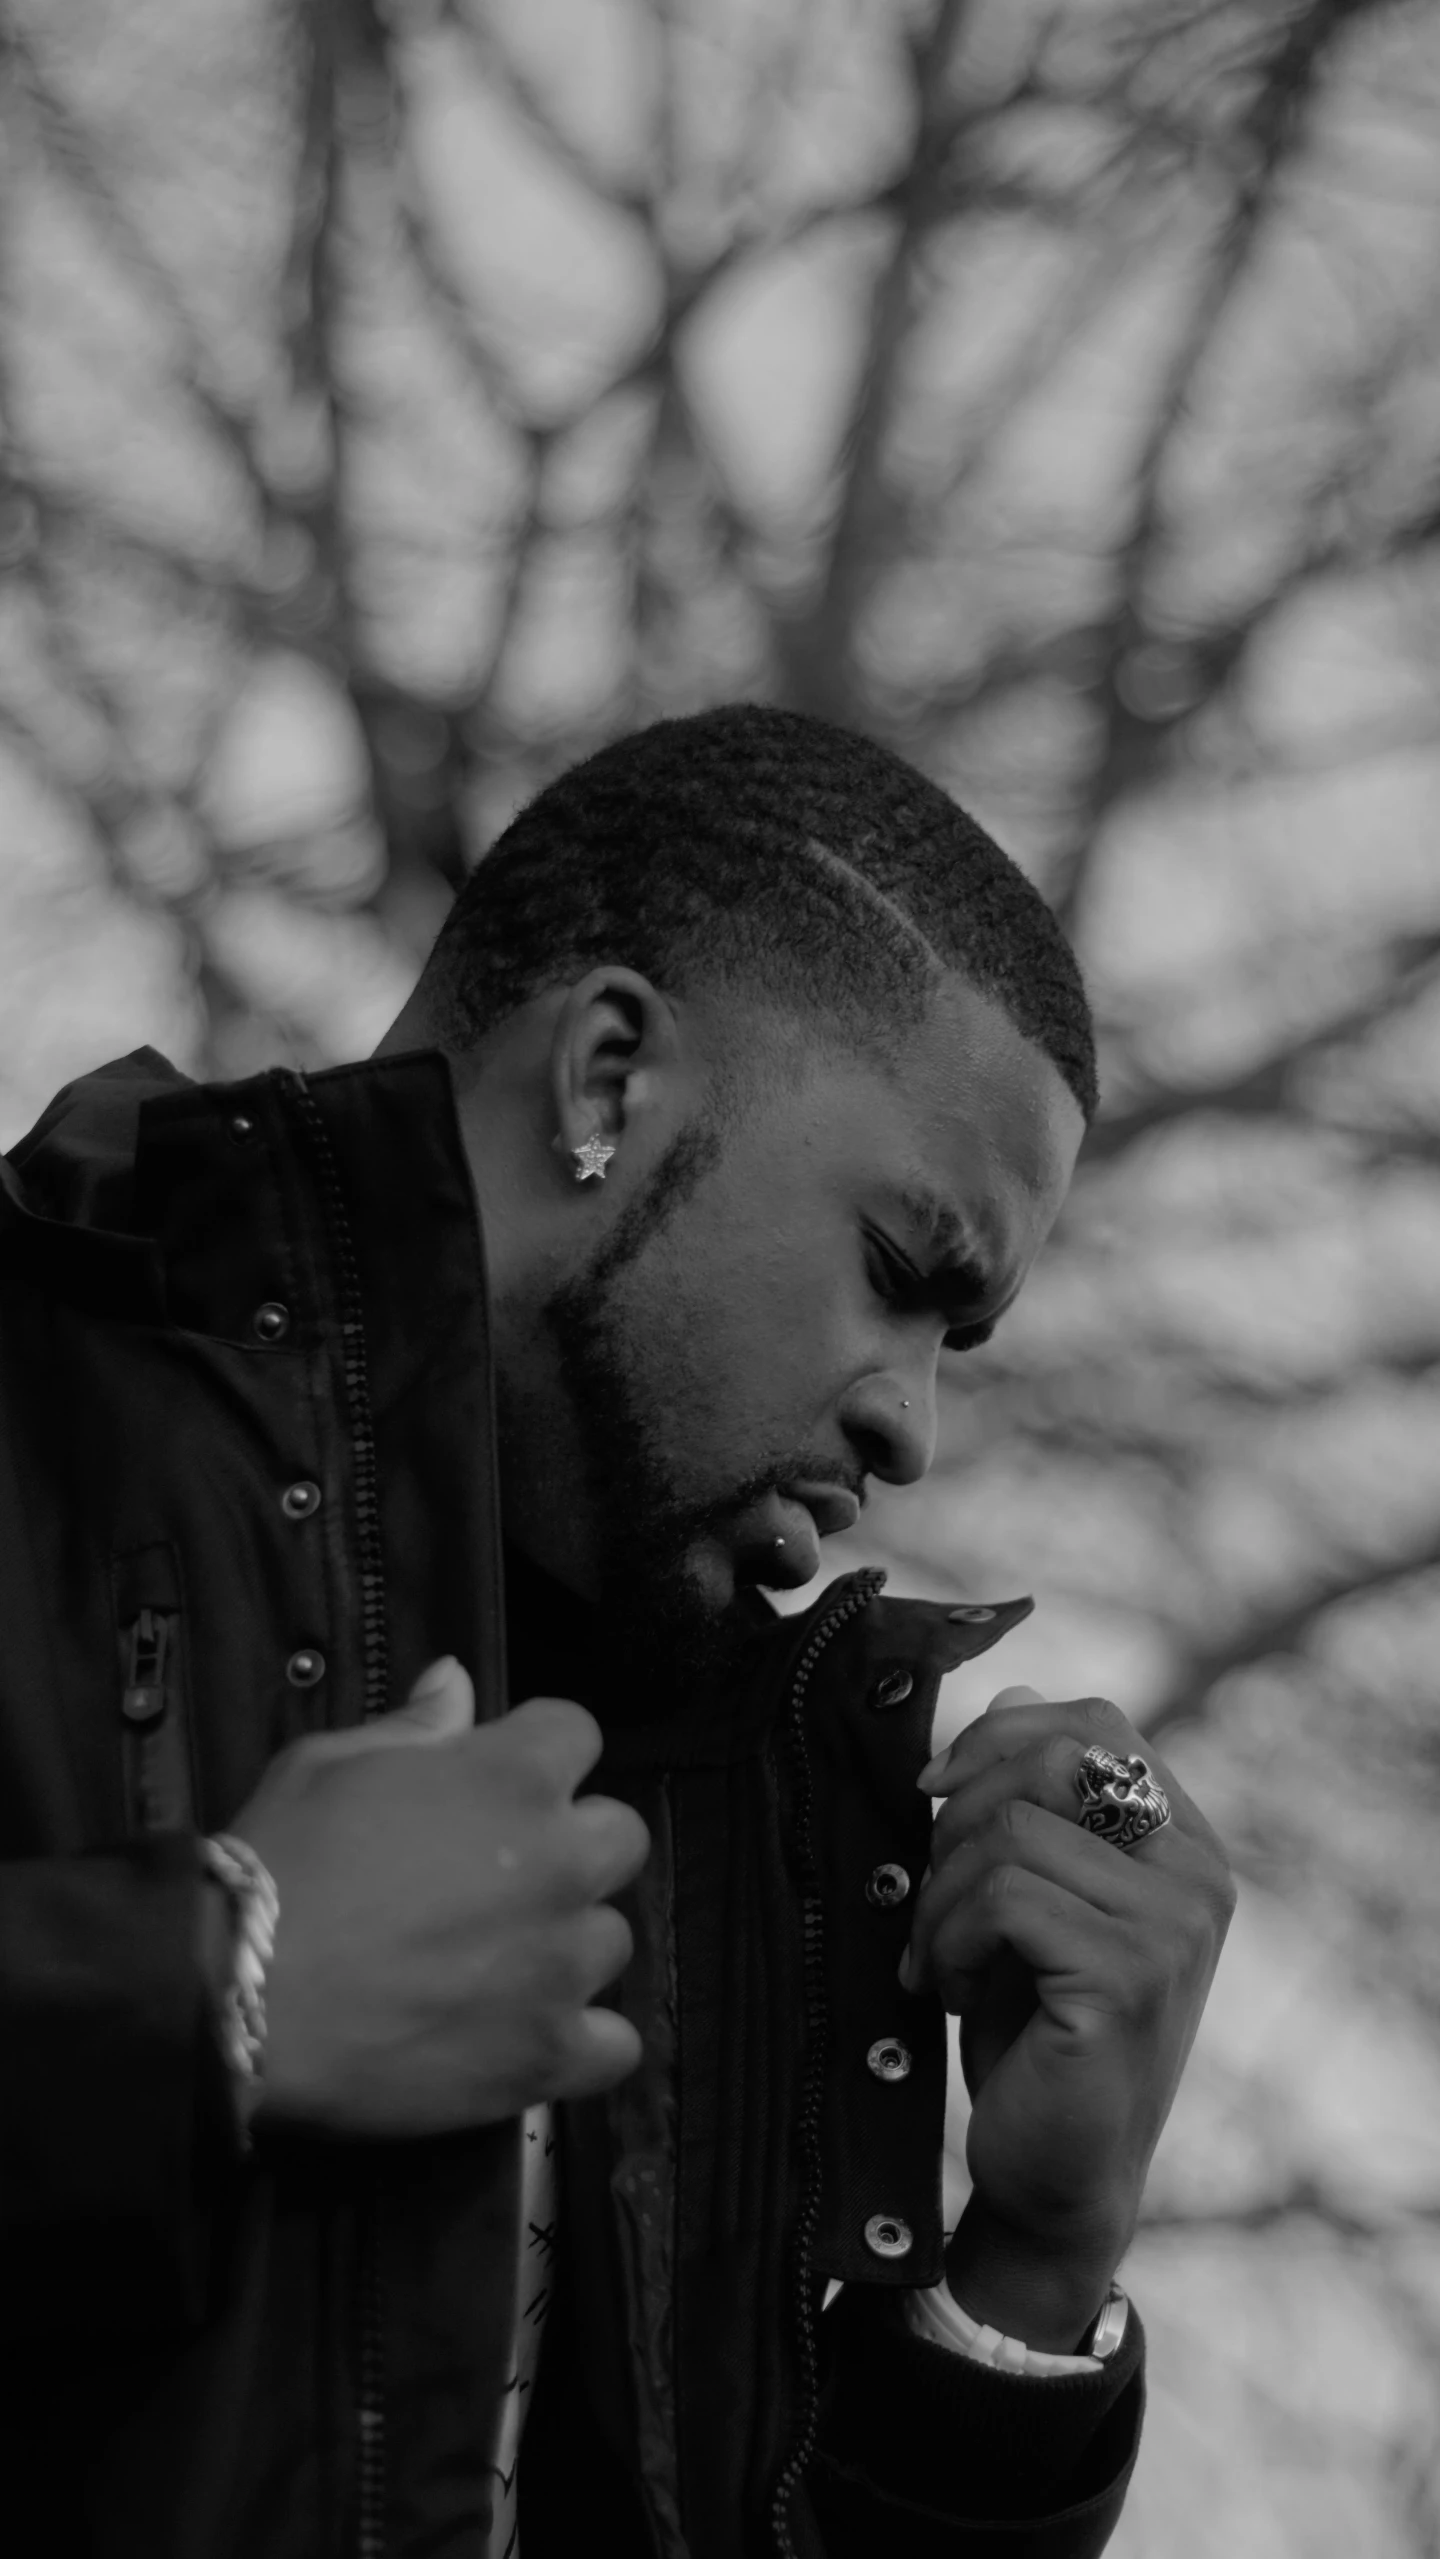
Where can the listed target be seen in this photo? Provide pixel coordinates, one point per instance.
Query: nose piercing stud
(904, 1403)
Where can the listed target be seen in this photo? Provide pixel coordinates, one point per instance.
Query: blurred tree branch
(1404, 973)
(1269, 134)
(1283, 1627)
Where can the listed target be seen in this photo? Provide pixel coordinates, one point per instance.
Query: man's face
(758, 1335)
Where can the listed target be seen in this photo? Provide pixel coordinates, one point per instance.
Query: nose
(890, 1422)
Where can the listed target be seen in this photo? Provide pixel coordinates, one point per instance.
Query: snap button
(305, 1667)
(242, 1128)
(892, 1690)
(889, 2059)
(887, 1887)
(886, 2235)
(270, 1322)
(299, 1500)
(971, 1616)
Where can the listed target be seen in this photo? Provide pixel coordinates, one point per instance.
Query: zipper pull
(143, 1701)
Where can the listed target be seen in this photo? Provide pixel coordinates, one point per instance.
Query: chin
(713, 1578)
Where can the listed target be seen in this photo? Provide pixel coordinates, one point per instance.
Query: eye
(900, 1286)
(890, 1276)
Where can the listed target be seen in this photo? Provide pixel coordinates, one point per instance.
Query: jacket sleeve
(923, 2451)
(115, 2116)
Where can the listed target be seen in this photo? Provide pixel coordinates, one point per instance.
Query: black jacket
(300, 2356)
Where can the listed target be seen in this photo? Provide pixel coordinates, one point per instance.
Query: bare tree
(400, 399)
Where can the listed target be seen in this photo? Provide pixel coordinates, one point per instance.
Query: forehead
(980, 1133)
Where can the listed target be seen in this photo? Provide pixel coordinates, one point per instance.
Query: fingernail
(431, 1681)
(933, 1769)
(904, 1970)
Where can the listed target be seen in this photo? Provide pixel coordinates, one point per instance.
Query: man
(767, 1072)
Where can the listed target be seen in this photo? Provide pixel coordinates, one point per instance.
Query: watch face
(1109, 2327)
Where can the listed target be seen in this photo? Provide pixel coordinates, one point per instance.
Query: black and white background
(398, 400)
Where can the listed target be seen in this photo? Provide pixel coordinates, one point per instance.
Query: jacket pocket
(154, 1720)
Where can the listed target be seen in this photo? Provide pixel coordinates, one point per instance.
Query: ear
(615, 1057)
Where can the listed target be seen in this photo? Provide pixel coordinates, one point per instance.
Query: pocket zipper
(144, 1699)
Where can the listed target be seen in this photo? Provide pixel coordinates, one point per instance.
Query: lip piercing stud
(779, 1541)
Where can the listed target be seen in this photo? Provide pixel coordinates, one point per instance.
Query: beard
(662, 1631)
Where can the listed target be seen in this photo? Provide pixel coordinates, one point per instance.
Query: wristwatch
(1109, 2327)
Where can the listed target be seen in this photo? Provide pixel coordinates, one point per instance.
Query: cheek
(757, 1279)
(775, 1336)
(725, 1352)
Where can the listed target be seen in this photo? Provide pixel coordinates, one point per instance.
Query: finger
(599, 1946)
(1048, 1774)
(1004, 1697)
(1093, 1722)
(441, 1703)
(1067, 1944)
(549, 1740)
(1045, 1774)
(1045, 1845)
(1150, 1887)
(440, 1707)
(597, 2048)
(1000, 1736)
(603, 1846)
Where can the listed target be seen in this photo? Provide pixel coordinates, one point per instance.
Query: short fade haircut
(771, 853)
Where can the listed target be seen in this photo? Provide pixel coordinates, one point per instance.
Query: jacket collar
(67, 1192)
(84, 1197)
(917, 1639)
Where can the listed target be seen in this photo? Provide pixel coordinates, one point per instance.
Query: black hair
(773, 852)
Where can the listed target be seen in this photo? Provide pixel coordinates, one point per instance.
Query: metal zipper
(154, 1800)
(864, 1587)
(376, 1655)
(144, 1698)
(374, 1631)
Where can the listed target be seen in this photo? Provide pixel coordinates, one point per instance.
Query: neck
(555, 1639)
(560, 1646)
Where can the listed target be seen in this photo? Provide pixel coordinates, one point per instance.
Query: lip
(832, 1509)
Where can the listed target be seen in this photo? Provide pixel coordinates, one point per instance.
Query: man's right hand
(444, 1918)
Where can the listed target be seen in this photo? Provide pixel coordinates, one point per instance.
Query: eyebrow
(962, 1278)
(946, 1231)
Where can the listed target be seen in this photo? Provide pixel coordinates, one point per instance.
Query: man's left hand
(1079, 1973)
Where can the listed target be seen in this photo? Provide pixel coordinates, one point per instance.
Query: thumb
(933, 1772)
(1015, 1697)
(440, 1705)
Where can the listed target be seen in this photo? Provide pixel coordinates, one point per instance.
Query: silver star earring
(592, 1158)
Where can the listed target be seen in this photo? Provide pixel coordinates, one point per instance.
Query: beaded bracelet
(935, 2314)
(255, 1911)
